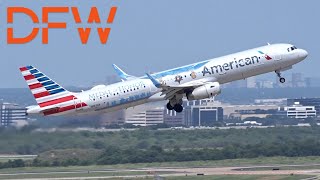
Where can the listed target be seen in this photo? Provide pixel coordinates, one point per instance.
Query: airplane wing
(124, 76)
(170, 91)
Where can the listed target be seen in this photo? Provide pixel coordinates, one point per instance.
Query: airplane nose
(303, 54)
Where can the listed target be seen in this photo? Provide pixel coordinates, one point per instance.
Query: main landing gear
(169, 107)
(177, 107)
(281, 79)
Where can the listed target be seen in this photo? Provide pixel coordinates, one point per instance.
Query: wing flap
(173, 91)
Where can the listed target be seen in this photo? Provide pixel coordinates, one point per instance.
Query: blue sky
(150, 36)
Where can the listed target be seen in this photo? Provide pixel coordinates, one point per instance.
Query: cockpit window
(292, 48)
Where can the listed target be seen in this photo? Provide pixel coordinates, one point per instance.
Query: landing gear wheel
(281, 79)
(169, 107)
(178, 108)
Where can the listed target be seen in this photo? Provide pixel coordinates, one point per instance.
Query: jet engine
(205, 91)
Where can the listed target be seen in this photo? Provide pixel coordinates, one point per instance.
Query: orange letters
(84, 32)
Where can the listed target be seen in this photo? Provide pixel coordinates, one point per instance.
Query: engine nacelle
(205, 91)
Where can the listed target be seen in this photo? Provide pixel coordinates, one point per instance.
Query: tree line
(145, 145)
(116, 155)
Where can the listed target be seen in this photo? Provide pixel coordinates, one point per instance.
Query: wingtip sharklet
(155, 82)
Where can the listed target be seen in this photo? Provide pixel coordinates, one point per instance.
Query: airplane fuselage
(241, 65)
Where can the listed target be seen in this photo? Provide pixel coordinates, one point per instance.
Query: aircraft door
(77, 104)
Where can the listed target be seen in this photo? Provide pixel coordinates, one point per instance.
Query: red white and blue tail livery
(50, 96)
(195, 81)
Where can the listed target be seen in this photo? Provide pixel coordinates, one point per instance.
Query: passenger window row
(114, 94)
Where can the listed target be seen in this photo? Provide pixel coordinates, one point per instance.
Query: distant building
(297, 80)
(308, 81)
(267, 84)
(299, 112)
(305, 102)
(200, 112)
(248, 123)
(203, 113)
(245, 111)
(281, 101)
(236, 84)
(112, 118)
(146, 118)
(251, 82)
(173, 118)
(313, 82)
(12, 115)
(245, 116)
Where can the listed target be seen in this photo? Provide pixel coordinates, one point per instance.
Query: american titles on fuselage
(230, 65)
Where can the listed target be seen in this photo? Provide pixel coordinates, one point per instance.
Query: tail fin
(124, 76)
(45, 91)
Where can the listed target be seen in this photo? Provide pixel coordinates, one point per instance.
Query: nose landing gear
(281, 79)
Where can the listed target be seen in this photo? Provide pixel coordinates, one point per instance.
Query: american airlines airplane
(195, 81)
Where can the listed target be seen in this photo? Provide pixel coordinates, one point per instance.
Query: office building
(305, 102)
(172, 118)
(146, 117)
(205, 112)
(12, 115)
(251, 82)
(297, 80)
(199, 112)
(299, 112)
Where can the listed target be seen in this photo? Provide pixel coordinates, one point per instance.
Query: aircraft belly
(123, 106)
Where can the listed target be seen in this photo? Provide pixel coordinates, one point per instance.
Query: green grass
(282, 168)
(240, 177)
(263, 161)
(77, 174)
(150, 176)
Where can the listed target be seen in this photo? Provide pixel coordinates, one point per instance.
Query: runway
(166, 172)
